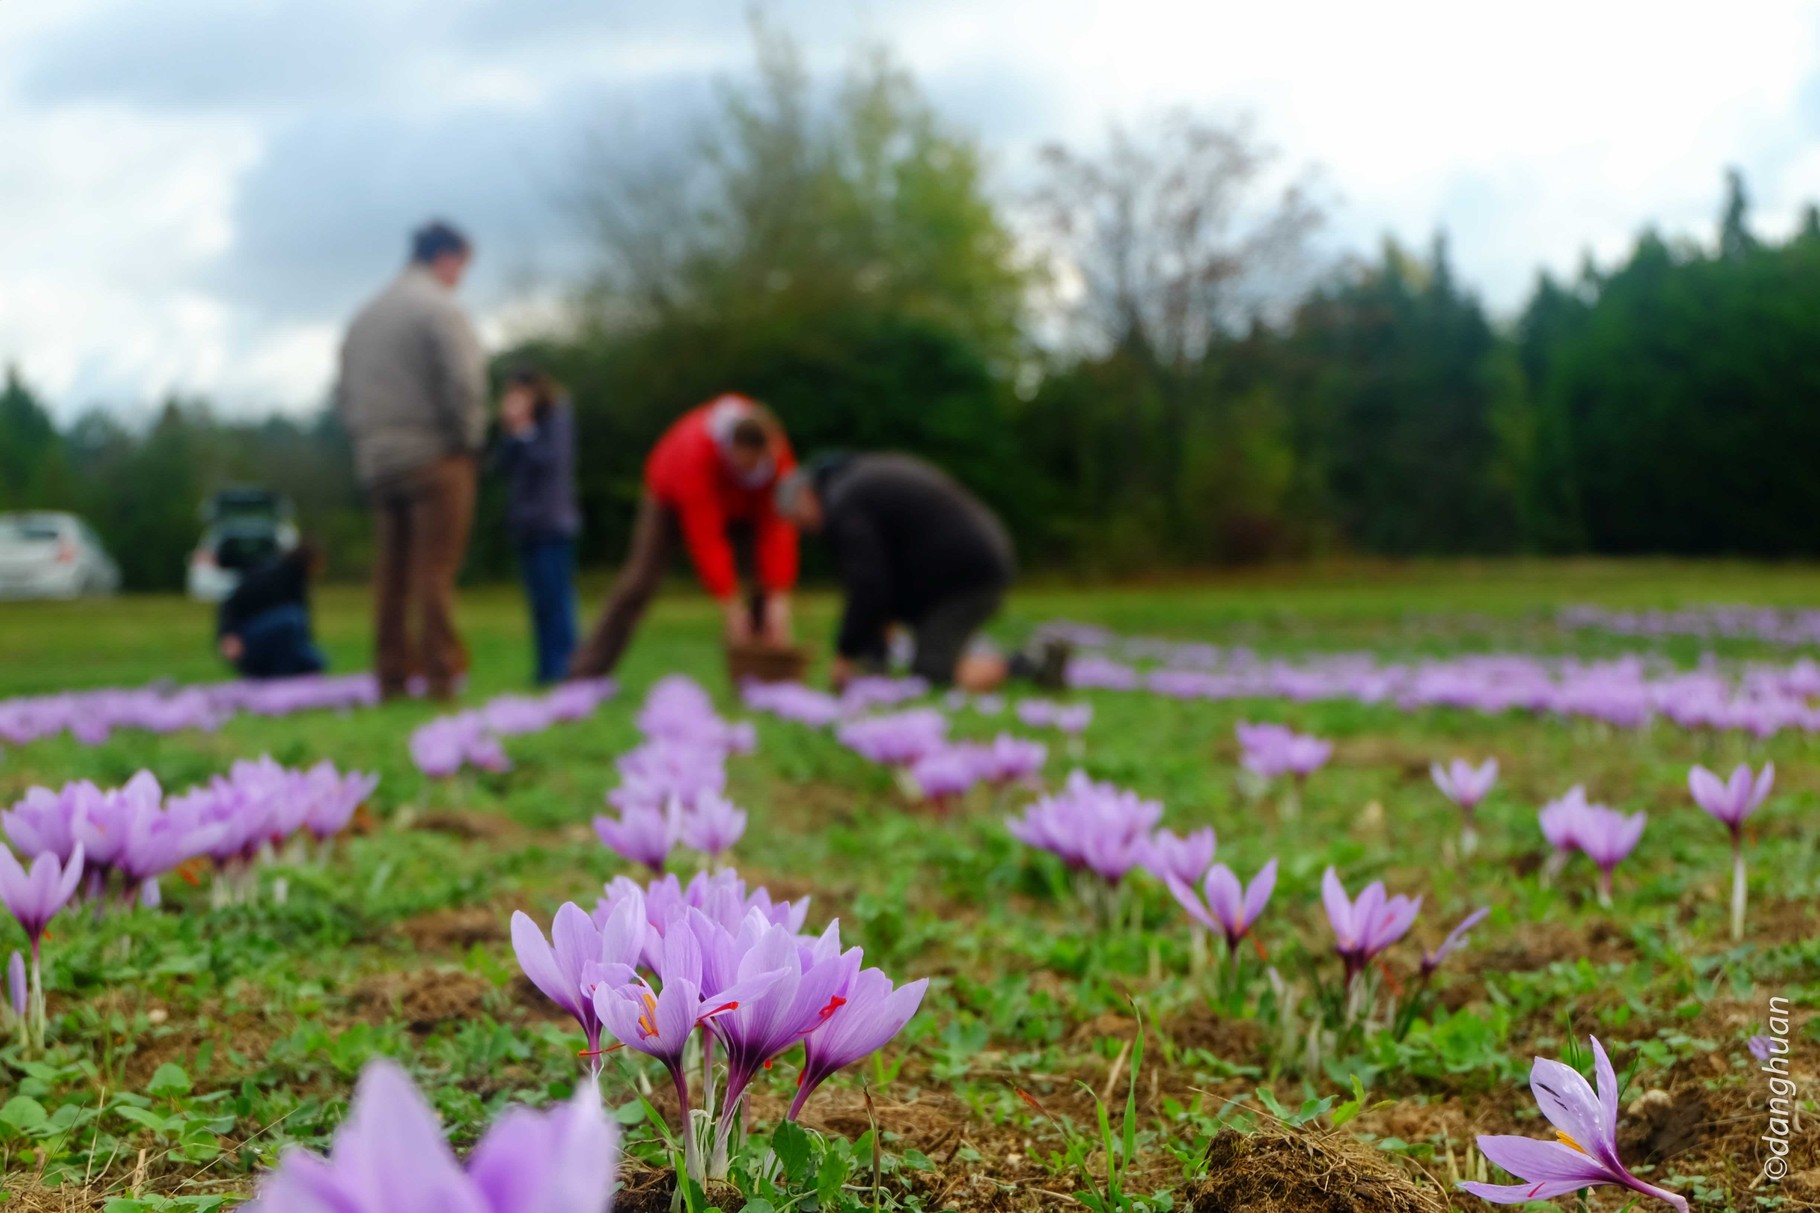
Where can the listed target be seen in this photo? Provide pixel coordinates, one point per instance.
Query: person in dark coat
(262, 629)
(536, 455)
(912, 548)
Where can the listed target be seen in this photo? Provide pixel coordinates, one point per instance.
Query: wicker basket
(766, 663)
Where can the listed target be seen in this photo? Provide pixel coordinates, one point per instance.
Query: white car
(51, 555)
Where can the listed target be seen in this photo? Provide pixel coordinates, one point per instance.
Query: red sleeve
(704, 528)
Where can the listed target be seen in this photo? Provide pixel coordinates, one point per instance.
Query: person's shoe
(1052, 660)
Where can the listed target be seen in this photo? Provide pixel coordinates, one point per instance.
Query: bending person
(708, 487)
(262, 629)
(912, 548)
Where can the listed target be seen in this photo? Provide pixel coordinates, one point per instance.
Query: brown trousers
(656, 534)
(421, 522)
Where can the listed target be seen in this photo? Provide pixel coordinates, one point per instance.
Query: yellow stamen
(1568, 1141)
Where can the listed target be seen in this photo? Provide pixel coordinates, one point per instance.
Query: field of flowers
(1311, 895)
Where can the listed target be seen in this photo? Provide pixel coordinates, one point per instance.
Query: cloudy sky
(195, 193)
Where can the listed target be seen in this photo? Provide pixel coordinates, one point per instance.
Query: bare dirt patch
(1276, 1170)
(421, 998)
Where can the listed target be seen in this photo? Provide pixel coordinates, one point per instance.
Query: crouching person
(915, 549)
(263, 628)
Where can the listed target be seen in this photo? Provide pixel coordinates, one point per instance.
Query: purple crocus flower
(1185, 858)
(643, 833)
(1732, 802)
(873, 1012)
(1465, 784)
(1228, 908)
(946, 774)
(1562, 819)
(35, 895)
(331, 798)
(805, 995)
(1008, 759)
(712, 825)
(1036, 713)
(1734, 799)
(1456, 939)
(580, 954)
(1607, 836)
(390, 1156)
(44, 821)
(15, 984)
(1761, 1047)
(898, 738)
(1365, 927)
(1098, 827)
(1584, 1153)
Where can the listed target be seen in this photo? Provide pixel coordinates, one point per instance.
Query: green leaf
(23, 1113)
(791, 1143)
(168, 1082)
(830, 1178)
(154, 1121)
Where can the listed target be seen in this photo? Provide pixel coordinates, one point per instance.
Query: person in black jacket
(262, 629)
(913, 548)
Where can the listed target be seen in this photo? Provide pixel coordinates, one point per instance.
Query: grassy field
(231, 1033)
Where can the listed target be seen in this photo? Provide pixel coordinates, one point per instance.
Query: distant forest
(1143, 362)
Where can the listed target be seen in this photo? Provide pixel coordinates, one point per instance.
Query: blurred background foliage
(1144, 361)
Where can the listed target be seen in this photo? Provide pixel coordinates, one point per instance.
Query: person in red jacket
(708, 487)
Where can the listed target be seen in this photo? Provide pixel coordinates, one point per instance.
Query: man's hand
(841, 673)
(777, 619)
(231, 647)
(739, 620)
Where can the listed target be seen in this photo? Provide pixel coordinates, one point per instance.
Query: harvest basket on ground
(766, 663)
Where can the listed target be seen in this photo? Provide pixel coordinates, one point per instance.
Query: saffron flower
(1607, 836)
(1732, 801)
(17, 992)
(806, 992)
(1098, 827)
(1007, 759)
(1271, 750)
(1584, 1153)
(34, 896)
(946, 774)
(712, 825)
(643, 833)
(1170, 856)
(1228, 907)
(896, 739)
(660, 1023)
(1368, 926)
(1456, 939)
(390, 1155)
(872, 1012)
(1466, 785)
(578, 955)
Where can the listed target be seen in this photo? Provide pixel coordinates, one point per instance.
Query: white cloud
(184, 196)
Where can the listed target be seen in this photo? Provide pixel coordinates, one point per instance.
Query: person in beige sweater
(412, 393)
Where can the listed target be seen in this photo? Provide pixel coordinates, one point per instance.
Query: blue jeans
(277, 644)
(548, 566)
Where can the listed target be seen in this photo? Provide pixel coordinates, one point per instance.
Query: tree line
(1143, 361)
